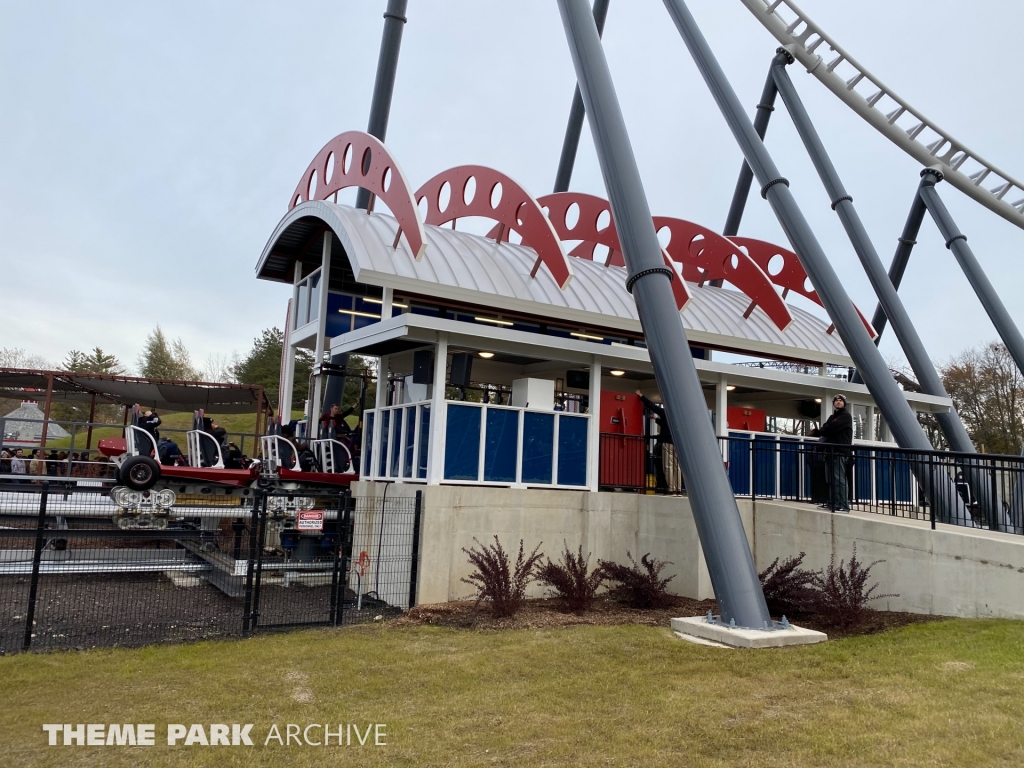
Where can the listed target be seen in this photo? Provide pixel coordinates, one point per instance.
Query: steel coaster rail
(842, 203)
(715, 512)
(775, 188)
(892, 116)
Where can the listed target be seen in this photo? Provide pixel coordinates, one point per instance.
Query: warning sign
(312, 520)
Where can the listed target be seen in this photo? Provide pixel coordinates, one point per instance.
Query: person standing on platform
(837, 434)
(663, 438)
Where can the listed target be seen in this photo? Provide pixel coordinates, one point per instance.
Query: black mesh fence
(84, 567)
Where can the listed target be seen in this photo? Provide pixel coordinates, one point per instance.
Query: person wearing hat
(837, 431)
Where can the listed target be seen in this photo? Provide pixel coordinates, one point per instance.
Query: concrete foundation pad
(698, 626)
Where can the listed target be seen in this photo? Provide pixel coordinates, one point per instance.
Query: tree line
(164, 358)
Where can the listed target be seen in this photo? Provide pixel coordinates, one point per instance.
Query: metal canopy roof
(469, 268)
(125, 390)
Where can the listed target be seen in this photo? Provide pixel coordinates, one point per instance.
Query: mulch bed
(544, 613)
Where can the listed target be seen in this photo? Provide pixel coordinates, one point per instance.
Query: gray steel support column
(900, 259)
(765, 107)
(384, 85)
(717, 517)
(892, 306)
(842, 203)
(898, 414)
(571, 142)
(957, 243)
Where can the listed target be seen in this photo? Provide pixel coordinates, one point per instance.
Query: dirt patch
(546, 613)
(957, 666)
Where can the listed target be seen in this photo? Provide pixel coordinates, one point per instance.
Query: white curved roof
(469, 268)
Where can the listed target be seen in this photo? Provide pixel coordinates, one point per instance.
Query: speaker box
(462, 369)
(809, 409)
(577, 379)
(423, 367)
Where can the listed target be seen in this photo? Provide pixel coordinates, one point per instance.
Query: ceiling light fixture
(486, 355)
(730, 387)
(617, 373)
(356, 313)
(586, 336)
(492, 320)
(380, 301)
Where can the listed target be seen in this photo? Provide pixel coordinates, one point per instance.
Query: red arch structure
(790, 275)
(703, 254)
(495, 196)
(587, 228)
(341, 163)
(707, 255)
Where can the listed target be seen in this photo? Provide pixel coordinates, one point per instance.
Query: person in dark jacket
(837, 433)
(148, 422)
(663, 438)
(170, 453)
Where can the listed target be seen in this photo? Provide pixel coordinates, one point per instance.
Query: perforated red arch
(588, 229)
(349, 154)
(788, 272)
(497, 197)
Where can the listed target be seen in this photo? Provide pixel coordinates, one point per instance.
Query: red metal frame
(791, 276)
(383, 178)
(586, 229)
(515, 210)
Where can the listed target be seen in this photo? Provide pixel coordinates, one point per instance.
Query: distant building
(24, 426)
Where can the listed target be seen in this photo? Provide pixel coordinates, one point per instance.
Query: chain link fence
(82, 567)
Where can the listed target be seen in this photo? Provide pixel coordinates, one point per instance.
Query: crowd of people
(37, 465)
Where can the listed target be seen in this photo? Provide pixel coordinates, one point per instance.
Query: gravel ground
(90, 611)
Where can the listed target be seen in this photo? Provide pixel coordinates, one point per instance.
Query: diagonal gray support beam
(957, 243)
(842, 203)
(384, 84)
(823, 277)
(574, 128)
(765, 107)
(717, 517)
(900, 259)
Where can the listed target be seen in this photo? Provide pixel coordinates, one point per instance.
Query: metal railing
(879, 478)
(72, 577)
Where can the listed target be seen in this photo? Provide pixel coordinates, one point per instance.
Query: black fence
(77, 571)
(970, 490)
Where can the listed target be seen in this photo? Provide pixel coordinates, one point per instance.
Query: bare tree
(987, 389)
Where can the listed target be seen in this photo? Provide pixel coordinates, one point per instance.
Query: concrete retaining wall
(951, 571)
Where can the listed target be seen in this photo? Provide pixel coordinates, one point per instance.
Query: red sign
(312, 520)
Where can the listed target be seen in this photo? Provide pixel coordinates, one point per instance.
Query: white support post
(288, 384)
(387, 303)
(722, 412)
(438, 413)
(869, 428)
(313, 417)
(594, 428)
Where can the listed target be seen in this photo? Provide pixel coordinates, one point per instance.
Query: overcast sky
(147, 151)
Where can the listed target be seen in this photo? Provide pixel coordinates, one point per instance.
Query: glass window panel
(462, 443)
(396, 443)
(421, 470)
(314, 296)
(538, 445)
(502, 445)
(572, 450)
(410, 441)
(302, 307)
(385, 425)
(368, 431)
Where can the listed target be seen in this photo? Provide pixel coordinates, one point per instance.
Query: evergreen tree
(262, 366)
(96, 361)
(163, 360)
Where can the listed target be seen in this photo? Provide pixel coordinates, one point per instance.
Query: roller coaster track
(905, 126)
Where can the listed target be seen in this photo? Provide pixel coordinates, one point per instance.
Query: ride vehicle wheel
(139, 473)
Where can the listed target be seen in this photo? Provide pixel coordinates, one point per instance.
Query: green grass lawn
(946, 693)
